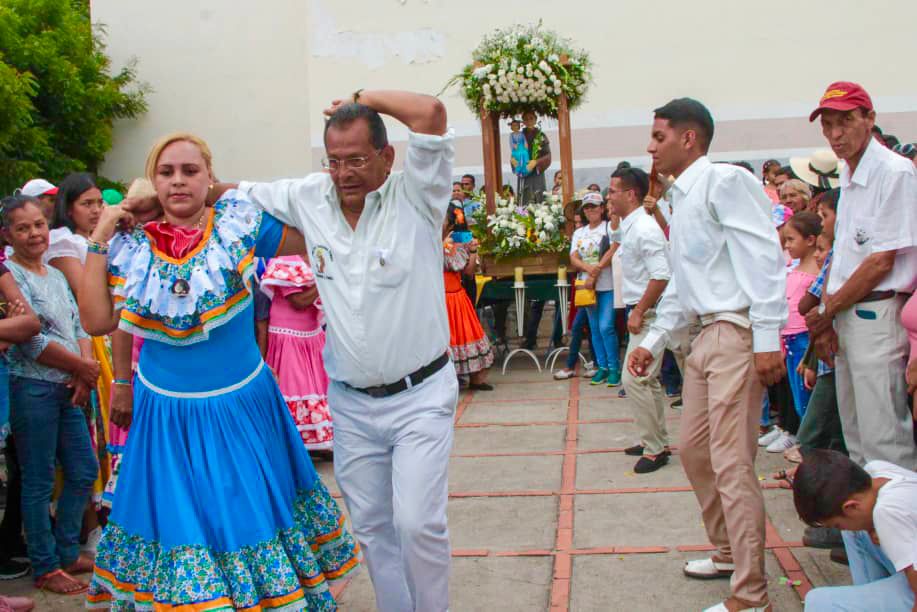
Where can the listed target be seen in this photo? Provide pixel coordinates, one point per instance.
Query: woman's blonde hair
(799, 187)
(165, 141)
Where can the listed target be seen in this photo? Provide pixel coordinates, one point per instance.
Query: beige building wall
(253, 78)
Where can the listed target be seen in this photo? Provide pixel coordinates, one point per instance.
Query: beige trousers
(871, 390)
(719, 434)
(646, 396)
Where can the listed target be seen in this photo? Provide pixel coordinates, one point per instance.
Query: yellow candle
(562, 274)
(519, 274)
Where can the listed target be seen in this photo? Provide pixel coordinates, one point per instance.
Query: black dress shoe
(634, 451)
(480, 387)
(822, 537)
(646, 465)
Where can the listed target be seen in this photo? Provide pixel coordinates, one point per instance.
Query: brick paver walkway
(546, 513)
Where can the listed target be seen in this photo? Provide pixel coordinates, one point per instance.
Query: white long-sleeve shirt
(382, 283)
(644, 254)
(725, 256)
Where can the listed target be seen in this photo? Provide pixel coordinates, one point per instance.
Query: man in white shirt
(645, 274)
(375, 240)
(728, 270)
(876, 506)
(873, 271)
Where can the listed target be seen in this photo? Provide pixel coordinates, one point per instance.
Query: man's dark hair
(690, 114)
(68, 191)
(348, 113)
(634, 178)
(470, 176)
(824, 481)
(623, 164)
(787, 171)
(454, 183)
(744, 164)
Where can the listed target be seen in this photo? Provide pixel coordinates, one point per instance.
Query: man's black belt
(875, 296)
(415, 379)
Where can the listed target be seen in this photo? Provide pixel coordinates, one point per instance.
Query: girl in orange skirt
(469, 347)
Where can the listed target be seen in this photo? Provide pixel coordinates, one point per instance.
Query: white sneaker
(564, 374)
(784, 442)
(92, 541)
(770, 436)
(721, 607)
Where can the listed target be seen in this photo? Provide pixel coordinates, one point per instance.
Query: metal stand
(520, 327)
(563, 303)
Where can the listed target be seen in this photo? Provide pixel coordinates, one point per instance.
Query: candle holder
(563, 301)
(519, 289)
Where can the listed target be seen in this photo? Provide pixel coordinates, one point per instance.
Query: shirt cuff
(655, 342)
(765, 340)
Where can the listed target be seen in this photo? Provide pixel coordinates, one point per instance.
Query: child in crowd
(579, 329)
(295, 340)
(800, 233)
(876, 507)
(769, 173)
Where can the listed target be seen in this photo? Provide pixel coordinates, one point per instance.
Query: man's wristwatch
(822, 309)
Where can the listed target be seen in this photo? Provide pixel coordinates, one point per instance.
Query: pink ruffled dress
(294, 350)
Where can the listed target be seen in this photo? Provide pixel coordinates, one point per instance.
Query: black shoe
(634, 451)
(646, 465)
(822, 537)
(677, 403)
(480, 387)
(10, 570)
(839, 555)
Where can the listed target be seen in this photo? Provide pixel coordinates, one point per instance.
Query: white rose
(549, 226)
(520, 70)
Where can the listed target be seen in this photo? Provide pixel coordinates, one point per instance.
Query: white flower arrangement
(513, 231)
(524, 68)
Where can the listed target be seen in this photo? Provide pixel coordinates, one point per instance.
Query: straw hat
(819, 169)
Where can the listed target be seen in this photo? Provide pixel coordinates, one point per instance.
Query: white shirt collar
(630, 219)
(864, 168)
(691, 174)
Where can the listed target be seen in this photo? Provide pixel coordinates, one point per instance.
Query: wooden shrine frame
(493, 165)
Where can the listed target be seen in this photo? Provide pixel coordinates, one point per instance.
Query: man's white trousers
(391, 457)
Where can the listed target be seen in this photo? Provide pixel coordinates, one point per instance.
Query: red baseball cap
(843, 96)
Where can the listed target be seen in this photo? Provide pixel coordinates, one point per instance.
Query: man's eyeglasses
(357, 162)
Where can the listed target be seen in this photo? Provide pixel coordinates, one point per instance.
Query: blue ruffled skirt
(218, 507)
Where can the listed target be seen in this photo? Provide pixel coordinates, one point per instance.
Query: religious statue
(531, 184)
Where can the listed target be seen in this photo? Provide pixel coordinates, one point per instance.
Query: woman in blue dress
(218, 506)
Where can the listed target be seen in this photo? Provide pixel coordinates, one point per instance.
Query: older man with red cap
(873, 272)
(46, 193)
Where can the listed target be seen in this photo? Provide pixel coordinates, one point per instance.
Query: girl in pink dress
(296, 338)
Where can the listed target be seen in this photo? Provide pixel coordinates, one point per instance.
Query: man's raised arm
(422, 114)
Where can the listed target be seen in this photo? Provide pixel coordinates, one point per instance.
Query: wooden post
(566, 153)
(493, 171)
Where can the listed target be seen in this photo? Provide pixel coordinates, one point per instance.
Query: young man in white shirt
(728, 270)
(874, 270)
(645, 272)
(876, 507)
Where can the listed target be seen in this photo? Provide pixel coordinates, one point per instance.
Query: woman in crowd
(50, 379)
(17, 324)
(578, 323)
(469, 347)
(796, 195)
(218, 503)
(294, 347)
(590, 254)
(76, 213)
(801, 233)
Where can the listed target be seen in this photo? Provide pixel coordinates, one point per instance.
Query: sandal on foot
(41, 583)
(83, 565)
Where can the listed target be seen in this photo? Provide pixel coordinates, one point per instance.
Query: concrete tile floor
(547, 514)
